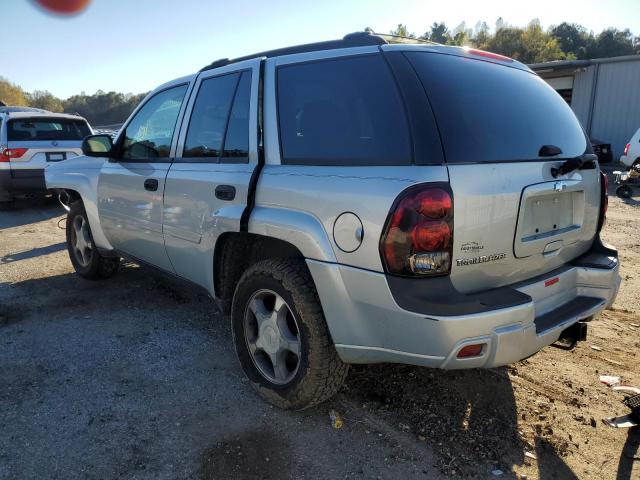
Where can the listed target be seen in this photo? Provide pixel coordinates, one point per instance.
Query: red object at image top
(64, 7)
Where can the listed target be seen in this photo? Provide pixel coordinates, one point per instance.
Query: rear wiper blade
(567, 167)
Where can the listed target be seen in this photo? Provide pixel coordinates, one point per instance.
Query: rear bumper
(19, 181)
(369, 326)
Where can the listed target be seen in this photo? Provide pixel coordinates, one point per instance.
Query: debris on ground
(610, 380)
(336, 419)
(497, 472)
(596, 348)
(530, 455)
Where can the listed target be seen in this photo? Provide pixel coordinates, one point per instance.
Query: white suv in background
(30, 139)
(631, 154)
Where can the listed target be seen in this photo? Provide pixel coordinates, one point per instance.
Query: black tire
(624, 191)
(320, 372)
(95, 266)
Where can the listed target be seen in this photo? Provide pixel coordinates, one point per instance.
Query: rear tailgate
(512, 219)
(38, 141)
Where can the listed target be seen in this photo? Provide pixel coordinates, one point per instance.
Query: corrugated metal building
(604, 93)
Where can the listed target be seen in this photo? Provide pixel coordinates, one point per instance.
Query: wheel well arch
(235, 252)
(68, 196)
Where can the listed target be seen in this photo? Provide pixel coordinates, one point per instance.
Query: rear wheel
(83, 253)
(624, 191)
(281, 336)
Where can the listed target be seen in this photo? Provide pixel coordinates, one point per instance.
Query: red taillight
(8, 153)
(604, 199)
(493, 56)
(418, 238)
(626, 149)
(471, 350)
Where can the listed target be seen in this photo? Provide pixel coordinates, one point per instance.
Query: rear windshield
(488, 112)
(30, 129)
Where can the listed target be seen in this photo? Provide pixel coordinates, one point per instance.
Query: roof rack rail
(356, 39)
(391, 38)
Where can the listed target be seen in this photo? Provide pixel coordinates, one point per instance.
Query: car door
(207, 186)
(131, 186)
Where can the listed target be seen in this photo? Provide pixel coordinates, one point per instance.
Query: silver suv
(31, 139)
(355, 201)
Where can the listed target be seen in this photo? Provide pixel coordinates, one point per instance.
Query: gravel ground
(135, 377)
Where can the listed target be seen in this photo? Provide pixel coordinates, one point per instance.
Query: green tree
(402, 31)
(438, 33)
(481, 35)
(45, 100)
(11, 94)
(612, 43)
(572, 38)
(528, 45)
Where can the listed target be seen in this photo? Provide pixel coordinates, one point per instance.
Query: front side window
(344, 111)
(149, 134)
(34, 129)
(208, 121)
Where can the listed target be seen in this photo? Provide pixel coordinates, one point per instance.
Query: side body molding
(81, 175)
(301, 229)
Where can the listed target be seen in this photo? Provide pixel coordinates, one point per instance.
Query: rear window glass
(30, 129)
(488, 112)
(341, 112)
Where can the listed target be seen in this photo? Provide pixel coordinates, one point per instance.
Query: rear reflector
(551, 281)
(8, 153)
(471, 350)
(626, 149)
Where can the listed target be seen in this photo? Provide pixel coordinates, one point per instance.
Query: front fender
(81, 175)
(301, 229)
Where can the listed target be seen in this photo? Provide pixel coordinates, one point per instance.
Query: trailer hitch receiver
(570, 336)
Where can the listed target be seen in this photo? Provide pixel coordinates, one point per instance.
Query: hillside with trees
(101, 108)
(533, 44)
(529, 44)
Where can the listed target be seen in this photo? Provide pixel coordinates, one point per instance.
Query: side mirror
(97, 146)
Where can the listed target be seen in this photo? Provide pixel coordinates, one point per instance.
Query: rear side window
(488, 112)
(236, 143)
(209, 116)
(33, 129)
(344, 111)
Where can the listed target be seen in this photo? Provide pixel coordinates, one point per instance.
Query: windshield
(488, 112)
(30, 129)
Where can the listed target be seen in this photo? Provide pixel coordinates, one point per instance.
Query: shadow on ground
(32, 253)
(136, 377)
(30, 210)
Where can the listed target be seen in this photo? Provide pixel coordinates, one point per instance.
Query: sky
(132, 46)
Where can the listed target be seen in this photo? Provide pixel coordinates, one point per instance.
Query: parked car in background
(31, 139)
(309, 190)
(602, 150)
(631, 154)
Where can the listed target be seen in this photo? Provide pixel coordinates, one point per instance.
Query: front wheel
(624, 191)
(84, 255)
(281, 337)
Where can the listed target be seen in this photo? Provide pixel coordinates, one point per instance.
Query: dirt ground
(135, 377)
